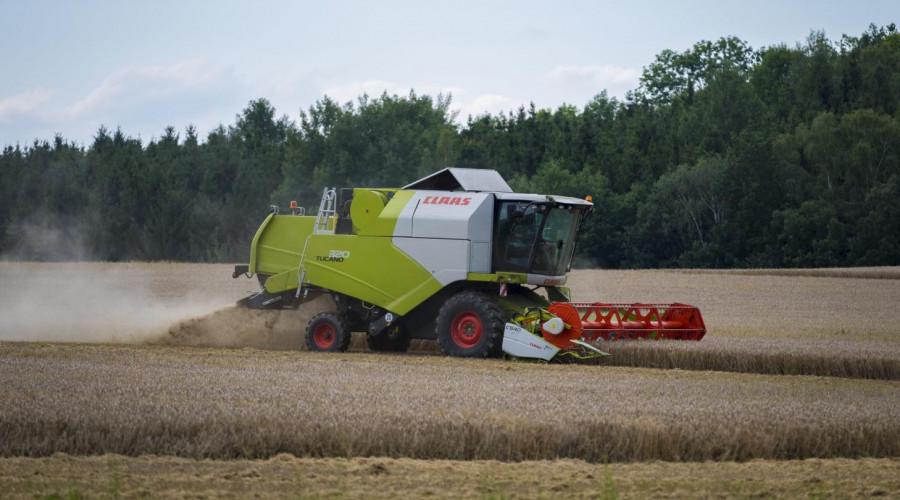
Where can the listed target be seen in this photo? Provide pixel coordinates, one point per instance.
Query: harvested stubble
(827, 357)
(81, 399)
(285, 476)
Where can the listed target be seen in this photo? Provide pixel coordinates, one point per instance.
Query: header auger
(457, 257)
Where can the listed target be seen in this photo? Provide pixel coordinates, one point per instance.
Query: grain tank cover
(463, 179)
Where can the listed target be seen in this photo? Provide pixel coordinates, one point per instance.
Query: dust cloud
(134, 303)
(240, 327)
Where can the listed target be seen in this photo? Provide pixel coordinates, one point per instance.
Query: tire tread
(342, 333)
(492, 336)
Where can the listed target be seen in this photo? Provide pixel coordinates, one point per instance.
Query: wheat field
(207, 403)
(152, 360)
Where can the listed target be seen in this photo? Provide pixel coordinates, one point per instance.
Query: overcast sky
(70, 66)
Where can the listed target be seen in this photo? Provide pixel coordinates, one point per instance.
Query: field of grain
(209, 403)
(128, 360)
(875, 359)
(768, 305)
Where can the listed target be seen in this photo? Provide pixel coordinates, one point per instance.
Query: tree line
(723, 156)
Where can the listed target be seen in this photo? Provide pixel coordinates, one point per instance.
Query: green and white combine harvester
(457, 257)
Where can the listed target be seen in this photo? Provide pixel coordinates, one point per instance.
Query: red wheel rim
(465, 329)
(324, 335)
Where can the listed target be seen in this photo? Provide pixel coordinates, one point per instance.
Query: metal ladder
(326, 211)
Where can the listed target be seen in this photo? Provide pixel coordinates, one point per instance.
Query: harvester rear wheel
(393, 339)
(469, 325)
(327, 332)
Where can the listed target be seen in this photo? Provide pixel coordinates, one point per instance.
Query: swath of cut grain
(831, 358)
(207, 403)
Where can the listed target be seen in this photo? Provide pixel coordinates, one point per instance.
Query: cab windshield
(536, 238)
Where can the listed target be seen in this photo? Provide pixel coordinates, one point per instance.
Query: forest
(723, 156)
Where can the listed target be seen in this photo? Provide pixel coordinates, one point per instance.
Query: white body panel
(450, 232)
(542, 198)
(521, 343)
(466, 179)
(454, 229)
(589, 347)
(480, 257)
(446, 260)
(452, 215)
(405, 219)
(542, 279)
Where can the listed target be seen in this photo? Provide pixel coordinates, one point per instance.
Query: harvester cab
(457, 257)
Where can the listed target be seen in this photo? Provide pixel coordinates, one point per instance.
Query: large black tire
(394, 338)
(470, 325)
(327, 332)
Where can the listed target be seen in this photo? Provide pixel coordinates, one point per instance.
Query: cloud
(488, 103)
(143, 100)
(133, 85)
(615, 79)
(28, 102)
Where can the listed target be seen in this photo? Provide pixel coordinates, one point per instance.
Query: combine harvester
(457, 257)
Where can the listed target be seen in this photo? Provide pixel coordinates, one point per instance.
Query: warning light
(588, 198)
(293, 205)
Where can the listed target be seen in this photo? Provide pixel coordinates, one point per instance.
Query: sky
(70, 66)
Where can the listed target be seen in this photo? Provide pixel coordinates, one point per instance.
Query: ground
(140, 380)
(286, 476)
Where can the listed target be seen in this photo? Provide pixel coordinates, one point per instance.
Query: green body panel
(386, 221)
(287, 280)
(509, 278)
(367, 206)
(255, 243)
(369, 268)
(278, 243)
(521, 302)
(365, 265)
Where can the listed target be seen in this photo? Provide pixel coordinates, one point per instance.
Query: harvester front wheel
(392, 339)
(469, 325)
(327, 332)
